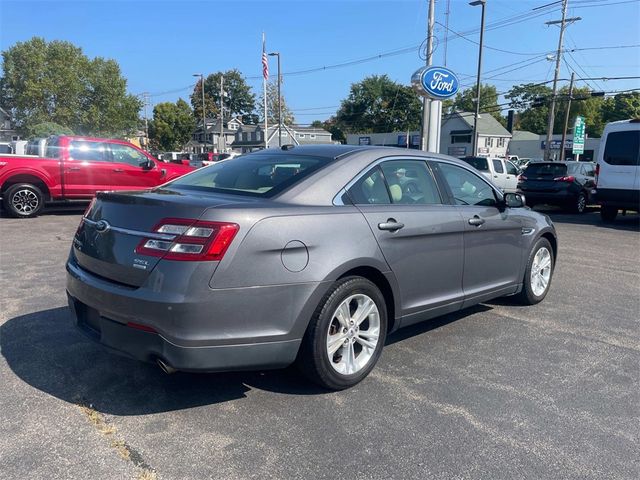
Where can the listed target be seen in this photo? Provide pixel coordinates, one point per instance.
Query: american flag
(265, 61)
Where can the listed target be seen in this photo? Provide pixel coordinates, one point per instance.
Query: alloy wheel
(25, 201)
(540, 271)
(353, 335)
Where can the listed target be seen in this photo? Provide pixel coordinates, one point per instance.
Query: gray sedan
(305, 254)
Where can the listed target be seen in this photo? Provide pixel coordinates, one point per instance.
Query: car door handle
(73, 169)
(391, 225)
(476, 221)
(118, 170)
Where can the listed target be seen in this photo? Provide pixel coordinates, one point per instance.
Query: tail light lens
(597, 174)
(569, 179)
(521, 178)
(192, 240)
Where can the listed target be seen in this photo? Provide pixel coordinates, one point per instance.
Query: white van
(618, 169)
(503, 173)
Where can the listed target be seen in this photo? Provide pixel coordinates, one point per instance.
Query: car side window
(126, 154)
(370, 189)
(82, 150)
(511, 168)
(410, 182)
(497, 166)
(588, 170)
(467, 188)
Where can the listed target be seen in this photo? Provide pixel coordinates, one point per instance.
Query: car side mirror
(148, 165)
(514, 200)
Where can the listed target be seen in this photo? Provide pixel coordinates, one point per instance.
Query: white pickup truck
(503, 173)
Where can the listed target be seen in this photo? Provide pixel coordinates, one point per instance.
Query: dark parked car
(309, 253)
(565, 184)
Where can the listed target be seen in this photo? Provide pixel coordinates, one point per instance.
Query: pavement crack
(124, 450)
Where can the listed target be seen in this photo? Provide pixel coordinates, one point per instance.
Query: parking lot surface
(497, 391)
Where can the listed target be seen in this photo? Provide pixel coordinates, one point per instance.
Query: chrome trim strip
(137, 233)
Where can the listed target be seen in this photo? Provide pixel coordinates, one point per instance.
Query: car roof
(326, 150)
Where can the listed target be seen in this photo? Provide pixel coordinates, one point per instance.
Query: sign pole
(427, 117)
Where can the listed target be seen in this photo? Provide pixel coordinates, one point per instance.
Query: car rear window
(259, 175)
(478, 163)
(623, 148)
(546, 169)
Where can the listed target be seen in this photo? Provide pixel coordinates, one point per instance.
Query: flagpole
(264, 93)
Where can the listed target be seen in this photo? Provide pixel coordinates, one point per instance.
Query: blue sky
(160, 44)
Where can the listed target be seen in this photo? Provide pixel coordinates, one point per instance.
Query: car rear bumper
(230, 329)
(552, 198)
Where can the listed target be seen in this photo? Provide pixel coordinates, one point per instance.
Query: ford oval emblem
(102, 226)
(435, 82)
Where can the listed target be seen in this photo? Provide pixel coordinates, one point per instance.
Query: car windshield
(260, 175)
(479, 163)
(546, 169)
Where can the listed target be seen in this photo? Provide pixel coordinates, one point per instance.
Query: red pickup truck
(75, 168)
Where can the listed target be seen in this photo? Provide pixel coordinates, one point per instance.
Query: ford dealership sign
(435, 82)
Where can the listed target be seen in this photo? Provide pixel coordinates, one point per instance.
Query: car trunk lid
(117, 223)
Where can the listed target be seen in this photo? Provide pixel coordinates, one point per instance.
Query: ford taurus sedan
(307, 254)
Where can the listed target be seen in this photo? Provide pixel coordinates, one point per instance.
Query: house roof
(524, 135)
(487, 124)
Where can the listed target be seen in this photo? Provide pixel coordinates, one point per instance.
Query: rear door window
(88, 151)
(623, 148)
(478, 163)
(410, 182)
(370, 189)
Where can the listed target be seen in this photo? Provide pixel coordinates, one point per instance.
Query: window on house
(460, 138)
(301, 135)
(312, 135)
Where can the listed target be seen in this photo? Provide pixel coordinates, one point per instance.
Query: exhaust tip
(164, 367)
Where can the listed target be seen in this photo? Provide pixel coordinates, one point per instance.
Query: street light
(277, 54)
(204, 123)
(476, 3)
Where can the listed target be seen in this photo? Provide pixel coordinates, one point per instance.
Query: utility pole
(146, 121)
(426, 102)
(446, 28)
(204, 122)
(221, 142)
(476, 116)
(277, 54)
(566, 117)
(552, 108)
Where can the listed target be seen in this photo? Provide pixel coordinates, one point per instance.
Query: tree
(272, 106)
(530, 118)
(55, 82)
(621, 107)
(465, 101)
(378, 104)
(45, 129)
(238, 100)
(582, 104)
(172, 125)
(331, 126)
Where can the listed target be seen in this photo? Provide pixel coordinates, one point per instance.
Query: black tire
(608, 213)
(23, 200)
(527, 296)
(579, 203)
(313, 358)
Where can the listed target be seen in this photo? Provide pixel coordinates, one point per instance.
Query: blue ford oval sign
(435, 82)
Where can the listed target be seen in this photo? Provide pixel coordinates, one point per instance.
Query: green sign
(578, 135)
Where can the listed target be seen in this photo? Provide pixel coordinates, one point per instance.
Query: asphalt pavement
(498, 391)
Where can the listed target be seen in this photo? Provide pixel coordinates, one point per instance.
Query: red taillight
(189, 240)
(140, 326)
(597, 174)
(569, 179)
(521, 178)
